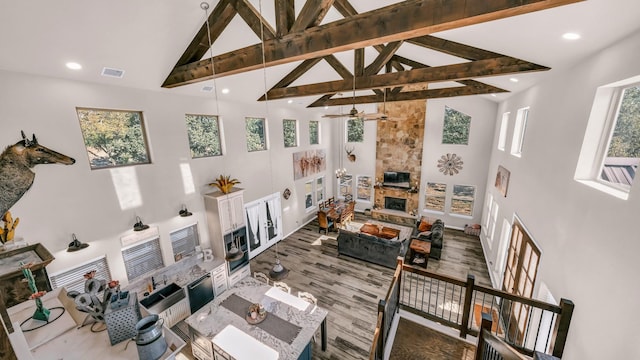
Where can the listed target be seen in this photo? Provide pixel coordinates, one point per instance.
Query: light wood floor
(350, 288)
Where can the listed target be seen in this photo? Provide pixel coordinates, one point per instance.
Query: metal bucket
(149, 340)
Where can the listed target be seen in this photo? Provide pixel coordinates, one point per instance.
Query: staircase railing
(525, 324)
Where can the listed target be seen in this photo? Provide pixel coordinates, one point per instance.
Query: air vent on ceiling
(207, 88)
(110, 72)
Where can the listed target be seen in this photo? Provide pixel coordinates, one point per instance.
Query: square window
(462, 200)
(355, 130)
(455, 129)
(184, 242)
(290, 132)
(73, 279)
(142, 258)
(320, 189)
(345, 184)
(113, 137)
(204, 135)
(256, 131)
(364, 188)
(308, 195)
(435, 196)
(621, 160)
(611, 147)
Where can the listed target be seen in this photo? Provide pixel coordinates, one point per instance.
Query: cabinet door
(237, 207)
(226, 215)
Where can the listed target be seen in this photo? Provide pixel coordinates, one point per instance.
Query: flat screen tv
(397, 179)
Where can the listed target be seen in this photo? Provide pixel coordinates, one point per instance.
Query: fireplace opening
(392, 203)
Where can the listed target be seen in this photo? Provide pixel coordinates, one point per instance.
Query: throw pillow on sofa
(424, 226)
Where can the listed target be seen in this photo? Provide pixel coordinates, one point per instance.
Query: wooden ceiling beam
(311, 14)
(253, 18)
(294, 75)
(477, 88)
(462, 71)
(453, 48)
(408, 19)
(219, 18)
(383, 58)
(285, 16)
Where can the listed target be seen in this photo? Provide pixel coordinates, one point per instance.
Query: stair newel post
(381, 342)
(466, 312)
(485, 325)
(561, 328)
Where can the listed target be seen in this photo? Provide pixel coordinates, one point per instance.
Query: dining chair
(308, 297)
(324, 223)
(282, 286)
(261, 277)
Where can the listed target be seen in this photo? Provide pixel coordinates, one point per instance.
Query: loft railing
(525, 324)
(387, 308)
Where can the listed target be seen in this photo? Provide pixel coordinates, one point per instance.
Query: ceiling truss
(385, 29)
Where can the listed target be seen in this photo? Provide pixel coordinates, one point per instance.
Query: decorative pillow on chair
(424, 225)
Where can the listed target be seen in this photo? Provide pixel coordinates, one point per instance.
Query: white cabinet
(231, 211)
(239, 275)
(176, 313)
(227, 231)
(219, 276)
(264, 223)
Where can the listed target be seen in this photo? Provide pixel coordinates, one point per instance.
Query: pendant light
(277, 272)
(235, 251)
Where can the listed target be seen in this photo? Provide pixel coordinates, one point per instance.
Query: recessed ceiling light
(225, 91)
(326, 107)
(73, 65)
(494, 95)
(571, 36)
(290, 101)
(514, 80)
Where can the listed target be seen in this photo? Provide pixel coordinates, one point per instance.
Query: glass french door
(519, 278)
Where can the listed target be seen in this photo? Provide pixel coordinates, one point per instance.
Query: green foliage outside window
(355, 130)
(625, 141)
(113, 137)
(314, 132)
(256, 134)
(204, 135)
(290, 132)
(456, 127)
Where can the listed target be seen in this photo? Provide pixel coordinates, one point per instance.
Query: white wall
(589, 246)
(74, 199)
(475, 155)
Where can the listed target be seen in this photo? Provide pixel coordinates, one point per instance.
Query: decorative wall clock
(450, 164)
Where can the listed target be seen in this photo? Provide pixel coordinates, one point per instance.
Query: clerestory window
(611, 148)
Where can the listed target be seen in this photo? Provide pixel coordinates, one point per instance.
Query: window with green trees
(113, 137)
(456, 127)
(290, 132)
(355, 130)
(256, 134)
(204, 135)
(314, 132)
(623, 153)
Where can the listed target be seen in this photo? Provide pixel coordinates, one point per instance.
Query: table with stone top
(285, 333)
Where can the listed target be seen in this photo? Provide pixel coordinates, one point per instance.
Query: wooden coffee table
(421, 247)
(384, 232)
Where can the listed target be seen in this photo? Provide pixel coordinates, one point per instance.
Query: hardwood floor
(350, 288)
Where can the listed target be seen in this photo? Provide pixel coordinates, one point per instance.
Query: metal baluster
(526, 332)
(538, 332)
(430, 292)
(553, 318)
(459, 302)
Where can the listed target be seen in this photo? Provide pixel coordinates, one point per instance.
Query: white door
(264, 223)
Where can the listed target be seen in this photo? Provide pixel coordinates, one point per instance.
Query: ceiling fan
(383, 115)
(353, 113)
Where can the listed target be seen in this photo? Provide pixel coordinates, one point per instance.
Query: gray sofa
(371, 248)
(436, 237)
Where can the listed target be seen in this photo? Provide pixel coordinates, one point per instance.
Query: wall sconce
(76, 245)
(184, 212)
(139, 226)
